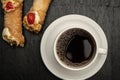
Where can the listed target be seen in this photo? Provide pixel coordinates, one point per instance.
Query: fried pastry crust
(34, 19)
(12, 32)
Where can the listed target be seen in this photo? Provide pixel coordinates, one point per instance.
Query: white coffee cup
(99, 50)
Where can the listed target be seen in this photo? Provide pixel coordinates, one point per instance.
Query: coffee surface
(76, 47)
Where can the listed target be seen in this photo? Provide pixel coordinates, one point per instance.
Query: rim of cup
(98, 50)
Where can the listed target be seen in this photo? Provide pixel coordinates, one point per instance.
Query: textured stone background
(26, 63)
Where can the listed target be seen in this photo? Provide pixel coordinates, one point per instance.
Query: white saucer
(48, 42)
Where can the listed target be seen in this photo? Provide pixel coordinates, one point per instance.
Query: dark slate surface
(26, 64)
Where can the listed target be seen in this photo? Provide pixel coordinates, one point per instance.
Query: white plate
(48, 41)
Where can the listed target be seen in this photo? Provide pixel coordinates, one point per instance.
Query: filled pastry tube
(12, 32)
(34, 19)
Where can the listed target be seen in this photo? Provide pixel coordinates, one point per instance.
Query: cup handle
(102, 51)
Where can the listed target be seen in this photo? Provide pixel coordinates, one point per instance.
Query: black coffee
(76, 47)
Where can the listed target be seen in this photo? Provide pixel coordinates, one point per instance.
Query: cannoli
(35, 17)
(12, 32)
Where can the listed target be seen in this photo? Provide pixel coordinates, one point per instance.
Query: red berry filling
(9, 6)
(31, 18)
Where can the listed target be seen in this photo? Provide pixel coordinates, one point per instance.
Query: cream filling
(12, 1)
(7, 35)
(37, 18)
